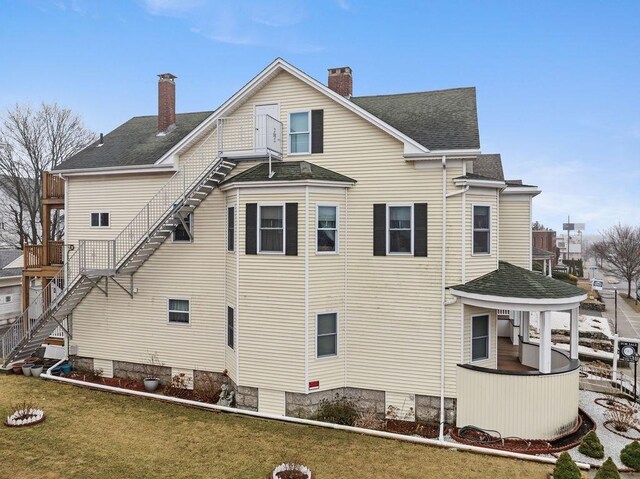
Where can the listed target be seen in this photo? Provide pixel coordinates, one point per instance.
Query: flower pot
(151, 384)
(26, 369)
(36, 371)
(17, 368)
(66, 368)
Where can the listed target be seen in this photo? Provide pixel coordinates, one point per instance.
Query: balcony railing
(52, 186)
(34, 255)
(252, 136)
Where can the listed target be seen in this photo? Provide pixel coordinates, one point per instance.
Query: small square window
(182, 234)
(100, 220)
(327, 335)
(179, 311)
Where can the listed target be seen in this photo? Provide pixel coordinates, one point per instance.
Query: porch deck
(508, 357)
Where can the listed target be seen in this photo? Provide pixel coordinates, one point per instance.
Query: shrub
(630, 455)
(622, 419)
(608, 471)
(339, 410)
(566, 277)
(208, 390)
(566, 468)
(179, 386)
(591, 446)
(593, 305)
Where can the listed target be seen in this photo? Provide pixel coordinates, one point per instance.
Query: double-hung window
(230, 327)
(231, 227)
(400, 229)
(481, 229)
(184, 230)
(327, 231)
(300, 132)
(179, 311)
(479, 337)
(327, 335)
(100, 220)
(271, 227)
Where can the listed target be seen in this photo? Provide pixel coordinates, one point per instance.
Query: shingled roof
(438, 120)
(288, 171)
(134, 143)
(489, 166)
(8, 255)
(514, 282)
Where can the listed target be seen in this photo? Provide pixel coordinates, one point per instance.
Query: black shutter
(291, 236)
(250, 231)
(420, 229)
(317, 131)
(380, 229)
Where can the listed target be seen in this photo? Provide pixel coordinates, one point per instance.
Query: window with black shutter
(251, 231)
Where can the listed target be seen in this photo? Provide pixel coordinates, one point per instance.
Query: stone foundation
(202, 379)
(428, 410)
(85, 364)
(306, 405)
(137, 372)
(247, 398)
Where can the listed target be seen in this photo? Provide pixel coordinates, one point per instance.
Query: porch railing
(34, 255)
(52, 186)
(258, 134)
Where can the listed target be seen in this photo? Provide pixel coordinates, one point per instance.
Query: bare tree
(619, 252)
(32, 141)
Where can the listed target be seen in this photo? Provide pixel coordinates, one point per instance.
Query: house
(544, 240)
(310, 242)
(10, 280)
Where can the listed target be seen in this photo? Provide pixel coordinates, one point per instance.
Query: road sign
(573, 226)
(628, 350)
(597, 284)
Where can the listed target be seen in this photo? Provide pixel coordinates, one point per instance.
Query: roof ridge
(415, 92)
(183, 113)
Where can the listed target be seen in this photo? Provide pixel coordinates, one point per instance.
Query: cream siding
(271, 401)
(515, 230)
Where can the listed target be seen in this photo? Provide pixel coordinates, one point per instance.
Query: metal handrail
(249, 133)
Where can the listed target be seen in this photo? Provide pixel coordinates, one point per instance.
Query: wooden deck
(508, 357)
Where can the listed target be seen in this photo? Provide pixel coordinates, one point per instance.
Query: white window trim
(328, 356)
(413, 227)
(226, 327)
(488, 315)
(337, 249)
(173, 240)
(284, 228)
(308, 112)
(235, 223)
(473, 207)
(99, 219)
(176, 298)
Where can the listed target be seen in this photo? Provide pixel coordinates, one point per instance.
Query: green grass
(93, 434)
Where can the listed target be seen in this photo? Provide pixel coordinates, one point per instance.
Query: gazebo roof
(538, 253)
(513, 282)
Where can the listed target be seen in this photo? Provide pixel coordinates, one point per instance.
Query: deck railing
(251, 134)
(34, 255)
(52, 186)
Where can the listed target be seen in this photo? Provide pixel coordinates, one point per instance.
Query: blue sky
(557, 81)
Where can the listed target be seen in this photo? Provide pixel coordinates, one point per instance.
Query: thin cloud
(344, 5)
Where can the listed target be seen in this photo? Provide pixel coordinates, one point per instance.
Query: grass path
(91, 434)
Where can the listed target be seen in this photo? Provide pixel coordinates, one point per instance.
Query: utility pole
(615, 308)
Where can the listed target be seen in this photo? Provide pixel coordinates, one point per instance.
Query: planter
(26, 369)
(36, 371)
(25, 417)
(291, 471)
(632, 433)
(66, 368)
(151, 384)
(17, 368)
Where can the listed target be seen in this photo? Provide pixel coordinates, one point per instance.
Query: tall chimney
(341, 81)
(166, 102)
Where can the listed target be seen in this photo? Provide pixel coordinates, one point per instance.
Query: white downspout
(442, 302)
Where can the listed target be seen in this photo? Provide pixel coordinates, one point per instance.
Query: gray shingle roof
(473, 176)
(7, 255)
(135, 142)
(438, 120)
(288, 171)
(538, 253)
(489, 166)
(515, 282)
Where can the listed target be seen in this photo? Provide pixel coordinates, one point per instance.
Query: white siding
(515, 230)
(271, 401)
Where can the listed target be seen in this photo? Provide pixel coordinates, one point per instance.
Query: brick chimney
(341, 81)
(166, 102)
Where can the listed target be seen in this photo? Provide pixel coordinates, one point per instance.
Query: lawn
(92, 434)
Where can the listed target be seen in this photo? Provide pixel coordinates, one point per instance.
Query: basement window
(179, 311)
(100, 220)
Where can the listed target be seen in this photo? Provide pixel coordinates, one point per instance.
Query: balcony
(249, 137)
(35, 256)
(52, 189)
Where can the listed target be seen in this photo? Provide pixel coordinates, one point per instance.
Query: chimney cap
(339, 70)
(167, 76)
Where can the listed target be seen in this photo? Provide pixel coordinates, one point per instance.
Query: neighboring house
(309, 242)
(545, 240)
(10, 194)
(10, 281)
(571, 249)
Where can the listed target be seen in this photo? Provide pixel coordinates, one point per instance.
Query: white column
(516, 318)
(525, 326)
(549, 272)
(573, 328)
(544, 267)
(544, 358)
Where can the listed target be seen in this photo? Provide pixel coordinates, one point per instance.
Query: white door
(263, 138)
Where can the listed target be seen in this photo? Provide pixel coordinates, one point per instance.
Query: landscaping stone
(247, 398)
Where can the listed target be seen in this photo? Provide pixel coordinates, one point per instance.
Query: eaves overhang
(518, 303)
